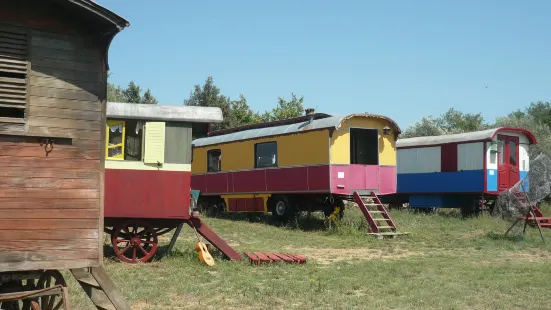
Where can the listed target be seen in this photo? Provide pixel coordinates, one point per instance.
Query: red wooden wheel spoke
(143, 250)
(125, 249)
(122, 240)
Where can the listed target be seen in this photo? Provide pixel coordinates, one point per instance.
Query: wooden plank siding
(51, 203)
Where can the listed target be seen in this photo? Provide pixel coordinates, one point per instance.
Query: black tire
(281, 209)
(328, 210)
(215, 209)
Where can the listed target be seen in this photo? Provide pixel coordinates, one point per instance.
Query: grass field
(445, 263)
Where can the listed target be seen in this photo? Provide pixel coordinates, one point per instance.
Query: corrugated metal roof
(462, 137)
(328, 122)
(164, 112)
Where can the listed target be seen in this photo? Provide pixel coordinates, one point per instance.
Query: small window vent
(13, 73)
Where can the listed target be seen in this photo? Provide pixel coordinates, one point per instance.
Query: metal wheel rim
(280, 208)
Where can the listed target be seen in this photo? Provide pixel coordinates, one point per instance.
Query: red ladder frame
(370, 220)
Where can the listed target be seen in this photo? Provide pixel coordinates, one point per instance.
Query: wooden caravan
(147, 176)
(313, 162)
(53, 72)
(467, 170)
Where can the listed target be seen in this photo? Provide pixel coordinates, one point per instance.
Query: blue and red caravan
(466, 170)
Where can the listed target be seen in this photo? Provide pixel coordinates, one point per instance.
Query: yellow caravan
(313, 162)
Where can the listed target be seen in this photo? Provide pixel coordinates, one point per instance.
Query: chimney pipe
(310, 113)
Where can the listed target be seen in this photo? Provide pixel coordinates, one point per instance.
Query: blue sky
(403, 59)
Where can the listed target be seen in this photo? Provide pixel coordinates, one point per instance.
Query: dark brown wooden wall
(51, 204)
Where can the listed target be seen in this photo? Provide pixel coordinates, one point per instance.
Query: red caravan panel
(245, 204)
(218, 183)
(296, 179)
(448, 157)
(199, 182)
(347, 178)
(287, 179)
(147, 193)
(387, 180)
(248, 181)
(318, 178)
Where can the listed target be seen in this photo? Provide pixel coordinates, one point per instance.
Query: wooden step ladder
(380, 223)
(100, 288)
(543, 221)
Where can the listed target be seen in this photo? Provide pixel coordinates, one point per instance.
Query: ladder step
(105, 305)
(373, 222)
(89, 279)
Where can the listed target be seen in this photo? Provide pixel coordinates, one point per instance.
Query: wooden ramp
(377, 217)
(213, 238)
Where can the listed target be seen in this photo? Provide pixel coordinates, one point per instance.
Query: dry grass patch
(333, 255)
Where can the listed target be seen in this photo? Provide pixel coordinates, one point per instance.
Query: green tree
(539, 129)
(241, 113)
(537, 119)
(454, 121)
(133, 93)
(427, 126)
(540, 111)
(148, 98)
(238, 112)
(285, 109)
(115, 93)
(209, 95)
(450, 122)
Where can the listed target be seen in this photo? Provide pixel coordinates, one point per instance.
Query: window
(501, 152)
(265, 154)
(178, 141)
(512, 153)
(214, 160)
(115, 139)
(13, 74)
(133, 140)
(125, 140)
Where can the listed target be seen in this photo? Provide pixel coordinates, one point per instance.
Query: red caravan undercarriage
(141, 205)
(136, 240)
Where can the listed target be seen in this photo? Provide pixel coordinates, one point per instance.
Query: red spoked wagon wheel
(134, 241)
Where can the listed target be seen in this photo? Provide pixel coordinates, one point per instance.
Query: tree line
(236, 112)
(536, 118)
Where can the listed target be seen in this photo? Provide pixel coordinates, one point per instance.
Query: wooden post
(174, 238)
